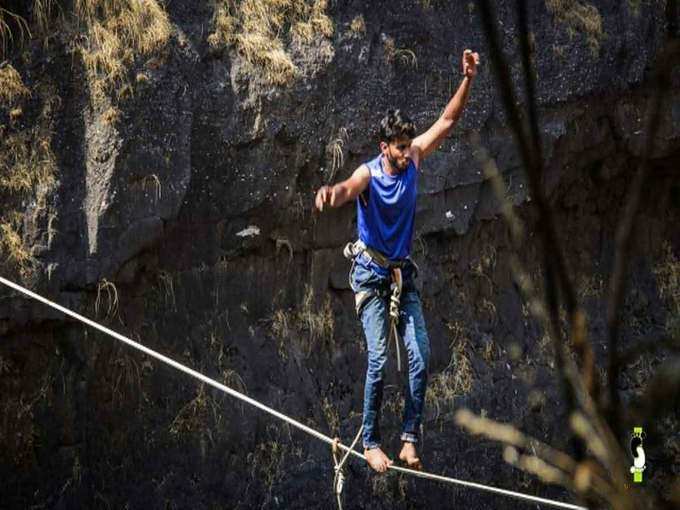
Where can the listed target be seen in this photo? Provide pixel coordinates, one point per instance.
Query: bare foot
(409, 455)
(377, 459)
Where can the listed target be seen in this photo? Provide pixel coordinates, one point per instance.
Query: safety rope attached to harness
(395, 297)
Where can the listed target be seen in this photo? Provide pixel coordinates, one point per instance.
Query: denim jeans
(374, 315)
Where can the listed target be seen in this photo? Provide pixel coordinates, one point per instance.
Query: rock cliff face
(176, 208)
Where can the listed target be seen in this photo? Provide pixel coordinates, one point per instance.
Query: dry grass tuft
(579, 16)
(195, 416)
(17, 431)
(266, 463)
(406, 57)
(332, 416)
(456, 379)
(126, 375)
(6, 34)
(15, 114)
(312, 325)
(394, 54)
(318, 323)
(42, 13)
(111, 291)
(11, 245)
(117, 32)
(358, 26)
(27, 172)
(268, 54)
(316, 24)
(261, 30)
(109, 34)
(280, 328)
(11, 85)
(26, 161)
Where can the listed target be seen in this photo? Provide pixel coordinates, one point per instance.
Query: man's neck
(387, 166)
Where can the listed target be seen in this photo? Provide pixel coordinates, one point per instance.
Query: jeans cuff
(371, 445)
(407, 437)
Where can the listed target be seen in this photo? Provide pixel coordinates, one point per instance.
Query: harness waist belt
(355, 249)
(352, 251)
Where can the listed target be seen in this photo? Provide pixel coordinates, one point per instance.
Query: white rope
(395, 334)
(339, 478)
(255, 403)
(395, 297)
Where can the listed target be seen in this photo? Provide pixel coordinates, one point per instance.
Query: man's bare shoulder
(358, 181)
(363, 171)
(361, 175)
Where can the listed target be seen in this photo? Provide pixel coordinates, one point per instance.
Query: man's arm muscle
(424, 144)
(344, 191)
(431, 139)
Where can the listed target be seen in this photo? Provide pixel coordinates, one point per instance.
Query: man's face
(398, 152)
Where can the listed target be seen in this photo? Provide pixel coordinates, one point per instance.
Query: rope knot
(339, 480)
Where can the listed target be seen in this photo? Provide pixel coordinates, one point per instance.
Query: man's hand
(325, 195)
(470, 62)
(344, 191)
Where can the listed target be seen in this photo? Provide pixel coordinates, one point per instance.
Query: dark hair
(396, 125)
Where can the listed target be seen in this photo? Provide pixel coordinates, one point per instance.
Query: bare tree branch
(555, 265)
(624, 235)
(528, 149)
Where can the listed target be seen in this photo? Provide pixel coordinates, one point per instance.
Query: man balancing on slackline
(382, 273)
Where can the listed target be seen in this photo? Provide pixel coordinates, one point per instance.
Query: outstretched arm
(344, 191)
(424, 144)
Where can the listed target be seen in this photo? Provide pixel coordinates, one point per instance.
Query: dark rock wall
(188, 225)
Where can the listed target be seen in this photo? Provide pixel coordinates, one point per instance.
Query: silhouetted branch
(582, 346)
(624, 235)
(549, 464)
(528, 151)
(604, 473)
(555, 266)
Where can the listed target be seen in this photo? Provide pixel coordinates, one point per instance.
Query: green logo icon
(638, 454)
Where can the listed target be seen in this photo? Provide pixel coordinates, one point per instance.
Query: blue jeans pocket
(362, 278)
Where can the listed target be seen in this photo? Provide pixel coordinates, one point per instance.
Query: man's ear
(383, 146)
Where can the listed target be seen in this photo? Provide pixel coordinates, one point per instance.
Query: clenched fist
(470, 63)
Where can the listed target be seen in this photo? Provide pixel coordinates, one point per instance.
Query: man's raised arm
(344, 191)
(431, 139)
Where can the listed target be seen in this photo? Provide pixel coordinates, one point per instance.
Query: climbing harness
(352, 251)
(312, 432)
(339, 478)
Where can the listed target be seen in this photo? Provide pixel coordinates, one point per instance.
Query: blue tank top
(387, 209)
